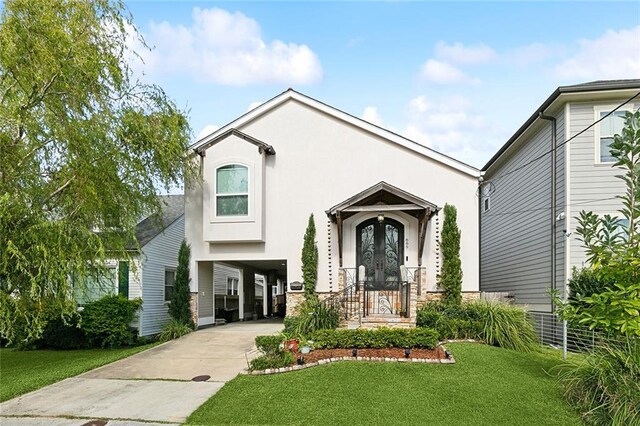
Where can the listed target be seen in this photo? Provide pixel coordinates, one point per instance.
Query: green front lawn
(487, 386)
(24, 371)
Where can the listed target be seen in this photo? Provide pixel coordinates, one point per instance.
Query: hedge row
(377, 339)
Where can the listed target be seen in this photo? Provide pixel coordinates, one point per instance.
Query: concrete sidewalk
(152, 386)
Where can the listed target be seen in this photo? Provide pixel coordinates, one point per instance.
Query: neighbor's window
(99, 283)
(609, 126)
(169, 279)
(232, 286)
(232, 190)
(623, 227)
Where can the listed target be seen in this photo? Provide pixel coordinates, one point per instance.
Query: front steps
(378, 321)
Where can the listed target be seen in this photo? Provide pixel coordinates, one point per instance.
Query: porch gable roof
(383, 197)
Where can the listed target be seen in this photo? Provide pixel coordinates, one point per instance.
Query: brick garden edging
(450, 360)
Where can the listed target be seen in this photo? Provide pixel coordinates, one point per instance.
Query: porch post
(361, 299)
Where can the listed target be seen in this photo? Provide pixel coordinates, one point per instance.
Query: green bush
(64, 332)
(377, 339)
(282, 359)
(585, 283)
(451, 321)
(173, 330)
(605, 385)
(497, 324)
(106, 321)
(269, 345)
(313, 316)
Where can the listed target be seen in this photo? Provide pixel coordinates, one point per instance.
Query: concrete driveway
(153, 386)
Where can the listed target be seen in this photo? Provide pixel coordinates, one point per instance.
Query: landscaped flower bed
(395, 353)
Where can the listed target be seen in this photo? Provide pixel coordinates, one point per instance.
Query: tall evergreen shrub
(450, 278)
(310, 261)
(179, 308)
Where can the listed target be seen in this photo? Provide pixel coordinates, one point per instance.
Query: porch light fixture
(380, 217)
(407, 352)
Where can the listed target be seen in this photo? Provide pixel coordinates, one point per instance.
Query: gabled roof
(151, 226)
(379, 195)
(590, 87)
(262, 146)
(291, 94)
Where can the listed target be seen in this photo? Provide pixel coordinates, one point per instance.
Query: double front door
(380, 250)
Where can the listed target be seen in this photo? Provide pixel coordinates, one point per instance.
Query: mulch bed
(319, 354)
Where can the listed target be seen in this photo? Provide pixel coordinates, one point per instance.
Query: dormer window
(232, 190)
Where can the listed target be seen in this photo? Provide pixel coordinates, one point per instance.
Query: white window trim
(164, 283)
(249, 217)
(237, 286)
(597, 110)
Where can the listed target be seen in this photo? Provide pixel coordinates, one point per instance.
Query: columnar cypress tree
(310, 260)
(180, 309)
(450, 278)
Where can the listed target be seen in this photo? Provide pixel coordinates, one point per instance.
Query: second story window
(232, 190)
(608, 127)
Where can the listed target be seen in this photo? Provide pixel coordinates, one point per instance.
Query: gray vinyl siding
(220, 274)
(157, 255)
(591, 185)
(205, 287)
(515, 245)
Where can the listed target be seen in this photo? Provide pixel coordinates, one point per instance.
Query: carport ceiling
(280, 265)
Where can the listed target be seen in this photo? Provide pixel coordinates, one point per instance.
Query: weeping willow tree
(84, 149)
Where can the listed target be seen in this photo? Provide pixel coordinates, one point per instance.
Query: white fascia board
(348, 118)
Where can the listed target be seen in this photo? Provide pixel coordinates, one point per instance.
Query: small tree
(310, 260)
(612, 245)
(450, 277)
(180, 309)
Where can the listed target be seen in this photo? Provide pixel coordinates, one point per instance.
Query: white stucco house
(375, 196)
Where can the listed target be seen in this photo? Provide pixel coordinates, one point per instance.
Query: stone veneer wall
(295, 298)
(425, 297)
(193, 305)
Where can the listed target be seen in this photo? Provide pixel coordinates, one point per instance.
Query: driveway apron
(153, 386)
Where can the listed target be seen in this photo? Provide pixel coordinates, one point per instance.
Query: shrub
(106, 321)
(64, 332)
(605, 385)
(313, 316)
(310, 260)
(179, 308)
(377, 339)
(497, 324)
(585, 283)
(506, 326)
(451, 321)
(269, 345)
(282, 359)
(173, 330)
(450, 278)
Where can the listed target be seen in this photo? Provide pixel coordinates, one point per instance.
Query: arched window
(232, 190)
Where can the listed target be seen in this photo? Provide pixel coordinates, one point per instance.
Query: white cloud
(206, 131)
(616, 54)
(460, 54)
(228, 48)
(254, 105)
(371, 115)
(532, 53)
(452, 126)
(443, 73)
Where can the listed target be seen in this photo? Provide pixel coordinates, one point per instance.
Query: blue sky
(458, 77)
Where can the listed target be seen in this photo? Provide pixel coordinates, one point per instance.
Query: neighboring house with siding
(528, 242)
(151, 272)
(375, 197)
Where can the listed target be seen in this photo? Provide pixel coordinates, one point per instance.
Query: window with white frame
(610, 125)
(232, 286)
(169, 280)
(232, 190)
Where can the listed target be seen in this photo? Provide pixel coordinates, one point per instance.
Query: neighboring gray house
(151, 273)
(522, 207)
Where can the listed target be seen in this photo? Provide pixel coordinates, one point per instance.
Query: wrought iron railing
(414, 275)
(346, 301)
(387, 298)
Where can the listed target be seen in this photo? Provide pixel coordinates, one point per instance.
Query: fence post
(564, 340)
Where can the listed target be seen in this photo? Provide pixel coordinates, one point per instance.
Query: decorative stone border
(450, 360)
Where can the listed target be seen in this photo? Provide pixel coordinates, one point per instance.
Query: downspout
(480, 182)
(553, 200)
